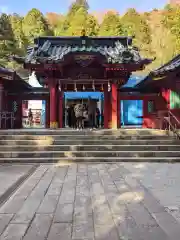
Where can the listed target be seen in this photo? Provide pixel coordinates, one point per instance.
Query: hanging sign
(84, 60)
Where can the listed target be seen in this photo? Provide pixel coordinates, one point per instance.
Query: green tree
(7, 42)
(16, 24)
(92, 26)
(34, 25)
(111, 25)
(136, 25)
(78, 22)
(171, 21)
(75, 19)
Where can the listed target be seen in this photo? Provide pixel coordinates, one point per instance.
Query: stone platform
(95, 202)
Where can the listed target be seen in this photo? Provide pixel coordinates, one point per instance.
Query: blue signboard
(82, 95)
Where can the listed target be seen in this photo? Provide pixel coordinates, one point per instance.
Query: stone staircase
(58, 146)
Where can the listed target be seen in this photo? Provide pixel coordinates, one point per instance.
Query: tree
(92, 26)
(35, 25)
(136, 25)
(8, 42)
(78, 4)
(171, 21)
(111, 25)
(78, 22)
(16, 24)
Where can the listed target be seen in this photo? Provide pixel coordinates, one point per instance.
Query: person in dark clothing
(30, 117)
(69, 116)
(91, 113)
(73, 117)
(97, 117)
(102, 118)
(79, 110)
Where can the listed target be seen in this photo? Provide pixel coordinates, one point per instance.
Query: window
(151, 107)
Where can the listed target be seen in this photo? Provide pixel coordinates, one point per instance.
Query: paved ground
(10, 175)
(95, 201)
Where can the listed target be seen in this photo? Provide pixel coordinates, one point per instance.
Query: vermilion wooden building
(164, 83)
(84, 63)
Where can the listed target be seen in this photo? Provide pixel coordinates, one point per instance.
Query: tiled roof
(168, 67)
(53, 53)
(161, 72)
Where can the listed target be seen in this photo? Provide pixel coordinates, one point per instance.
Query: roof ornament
(83, 35)
(135, 53)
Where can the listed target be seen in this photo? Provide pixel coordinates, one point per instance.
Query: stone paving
(10, 175)
(120, 201)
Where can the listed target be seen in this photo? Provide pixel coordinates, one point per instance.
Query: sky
(61, 6)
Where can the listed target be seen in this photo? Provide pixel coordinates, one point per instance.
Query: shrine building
(86, 64)
(83, 63)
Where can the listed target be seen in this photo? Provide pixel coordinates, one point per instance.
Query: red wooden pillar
(47, 113)
(53, 104)
(61, 97)
(145, 112)
(115, 106)
(106, 107)
(119, 111)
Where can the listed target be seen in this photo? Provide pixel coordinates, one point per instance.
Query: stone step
(93, 154)
(51, 141)
(83, 137)
(83, 132)
(65, 160)
(109, 148)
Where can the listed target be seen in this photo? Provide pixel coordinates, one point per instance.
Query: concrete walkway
(95, 202)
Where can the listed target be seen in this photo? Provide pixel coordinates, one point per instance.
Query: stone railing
(7, 120)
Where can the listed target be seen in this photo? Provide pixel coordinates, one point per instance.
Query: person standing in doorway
(73, 117)
(30, 117)
(97, 117)
(91, 113)
(79, 110)
(69, 116)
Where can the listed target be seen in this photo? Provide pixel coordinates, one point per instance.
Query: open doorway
(38, 111)
(72, 98)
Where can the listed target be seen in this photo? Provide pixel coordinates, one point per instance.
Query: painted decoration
(174, 99)
(84, 60)
(131, 112)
